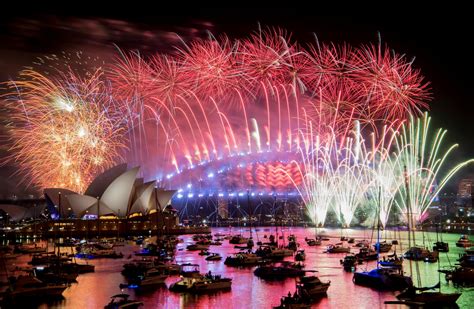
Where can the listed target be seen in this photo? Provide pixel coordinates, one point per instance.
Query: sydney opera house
(115, 203)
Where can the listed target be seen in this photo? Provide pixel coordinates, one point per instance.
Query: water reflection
(94, 290)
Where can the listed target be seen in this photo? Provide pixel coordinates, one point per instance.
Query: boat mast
(378, 225)
(408, 213)
(410, 229)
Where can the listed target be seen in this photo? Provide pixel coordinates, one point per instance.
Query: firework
(64, 130)
(215, 99)
(421, 163)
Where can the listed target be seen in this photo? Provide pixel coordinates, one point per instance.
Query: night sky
(441, 48)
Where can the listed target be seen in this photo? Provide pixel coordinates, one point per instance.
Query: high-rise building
(465, 188)
(223, 208)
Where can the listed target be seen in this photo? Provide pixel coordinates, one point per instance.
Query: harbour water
(94, 290)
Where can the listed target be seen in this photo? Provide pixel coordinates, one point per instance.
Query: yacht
(121, 301)
(272, 252)
(238, 240)
(282, 271)
(211, 283)
(29, 288)
(300, 255)
(383, 279)
(214, 257)
(197, 247)
(349, 262)
(441, 246)
(29, 249)
(383, 246)
(337, 248)
(417, 254)
(365, 254)
(150, 277)
(311, 287)
(393, 261)
(431, 299)
(464, 242)
(313, 242)
(201, 284)
(243, 259)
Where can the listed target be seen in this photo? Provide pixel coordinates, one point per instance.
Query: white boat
(211, 283)
(201, 284)
(338, 248)
(152, 277)
(243, 259)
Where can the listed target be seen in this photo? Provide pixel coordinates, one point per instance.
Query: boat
(185, 283)
(243, 259)
(349, 262)
(300, 255)
(211, 283)
(47, 258)
(282, 271)
(238, 240)
(383, 279)
(393, 261)
(313, 242)
(417, 254)
(311, 287)
(383, 247)
(441, 246)
(94, 250)
(294, 301)
(362, 243)
(271, 252)
(464, 242)
(204, 252)
(365, 254)
(214, 257)
(55, 274)
(201, 284)
(29, 249)
(466, 260)
(460, 276)
(432, 257)
(30, 289)
(351, 241)
(120, 301)
(429, 299)
(337, 248)
(197, 247)
(189, 270)
(423, 295)
(151, 277)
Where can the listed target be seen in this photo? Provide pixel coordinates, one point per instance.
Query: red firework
(395, 90)
(211, 67)
(266, 58)
(130, 75)
(169, 80)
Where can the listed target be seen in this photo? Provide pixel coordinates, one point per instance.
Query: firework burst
(64, 130)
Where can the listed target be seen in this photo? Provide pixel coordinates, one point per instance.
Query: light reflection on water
(94, 290)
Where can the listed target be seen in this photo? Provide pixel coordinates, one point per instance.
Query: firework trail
(421, 163)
